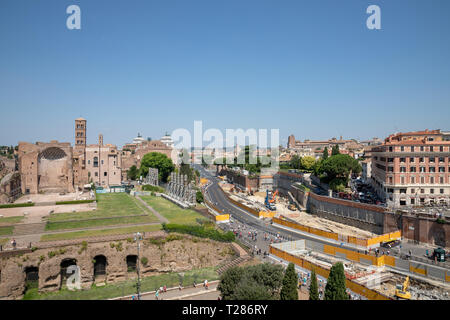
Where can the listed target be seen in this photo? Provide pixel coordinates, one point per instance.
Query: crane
(403, 293)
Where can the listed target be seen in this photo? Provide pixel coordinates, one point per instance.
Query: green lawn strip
(6, 231)
(98, 233)
(109, 205)
(172, 212)
(128, 287)
(98, 223)
(3, 241)
(10, 220)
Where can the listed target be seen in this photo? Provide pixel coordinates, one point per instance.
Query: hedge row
(74, 202)
(16, 205)
(200, 231)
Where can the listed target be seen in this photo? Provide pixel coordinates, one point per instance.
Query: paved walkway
(156, 213)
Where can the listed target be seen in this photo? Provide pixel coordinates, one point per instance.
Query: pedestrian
(179, 287)
(165, 289)
(156, 294)
(13, 243)
(195, 285)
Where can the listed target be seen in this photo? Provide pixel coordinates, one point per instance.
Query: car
(390, 244)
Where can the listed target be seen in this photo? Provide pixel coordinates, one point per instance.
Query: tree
(313, 289)
(325, 153)
(132, 173)
(199, 196)
(308, 163)
(338, 168)
(159, 161)
(186, 169)
(258, 282)
(295, 162)
(290, 282)
(335, 288)
(335, 150)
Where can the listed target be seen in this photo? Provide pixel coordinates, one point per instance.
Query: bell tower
(80, 133)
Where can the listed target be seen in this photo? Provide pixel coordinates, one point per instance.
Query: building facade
(412, 169)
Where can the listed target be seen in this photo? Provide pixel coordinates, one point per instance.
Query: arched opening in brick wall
(65, 271)
(100, 263)
(132, 263)
(31, 278)
(436, 235)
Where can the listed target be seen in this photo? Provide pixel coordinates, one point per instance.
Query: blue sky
(310, 68)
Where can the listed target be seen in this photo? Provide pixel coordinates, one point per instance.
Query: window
(432, 191)
(431, 180)
(402, 181)
(390, 169)
(412, 201)
(102, 162)
(441, 180)
(105, 174)
(413, 190)
(95, 162)
(413, 180)
(432, 169)
(441, 191)
(441, 149)
(412, 169)
(402, 148)
(421, 160)
(441, 169)
(390, 159)
(391, 180)
(390, 190)
(402, 169)
(421, 148)
(431, 159)
(422, 180)
(431, 149)
(390, 149)
(412, 149)
(422, 169)
(89, 161)
(441, 159)
(402, 190)
(411, 159)
(402, 159)
(96, 173)
(422, 190)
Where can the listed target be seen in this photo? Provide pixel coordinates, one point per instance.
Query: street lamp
(137, 237)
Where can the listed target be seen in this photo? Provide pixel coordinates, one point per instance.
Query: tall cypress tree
(313, 290)
(335, 150)
(325, 153)
(335, 288)
(290, 282)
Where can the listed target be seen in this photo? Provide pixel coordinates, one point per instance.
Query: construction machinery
(401, 292)
(270, 199)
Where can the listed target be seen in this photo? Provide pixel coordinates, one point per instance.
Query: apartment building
(413, 168)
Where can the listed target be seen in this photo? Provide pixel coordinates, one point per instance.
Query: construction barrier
(417, 270)
(223, 218)
(447, 276)
(335, 236)
(323, 272)
(354, 255)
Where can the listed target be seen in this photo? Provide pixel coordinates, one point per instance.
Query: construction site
(369, 282)
(283, 208)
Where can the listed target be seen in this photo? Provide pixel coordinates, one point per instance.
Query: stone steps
(233, 263)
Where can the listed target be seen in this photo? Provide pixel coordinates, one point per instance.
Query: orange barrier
(338, 237)
(323, 272)
(447, 276)
(417, 270)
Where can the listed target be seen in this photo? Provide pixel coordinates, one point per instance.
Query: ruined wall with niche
(167, 256)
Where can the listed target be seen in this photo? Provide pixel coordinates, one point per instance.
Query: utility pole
(137, 237)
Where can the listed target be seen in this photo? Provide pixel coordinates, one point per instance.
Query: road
(246, 222)
(198, 293)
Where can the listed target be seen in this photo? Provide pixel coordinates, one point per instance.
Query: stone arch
(54, 168)
(436, 234)
(66, 263)
(132, 262)
(100, 264)
(31, 278)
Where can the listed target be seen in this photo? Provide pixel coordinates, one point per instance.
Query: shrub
(74, 202)
(144, 261)
(200, 231)
(16, 205)
(148, 187)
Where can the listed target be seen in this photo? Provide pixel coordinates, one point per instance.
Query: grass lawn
(98, 233)
(63, 225)
(172, 212)
(6, 231)
(10, 220)
(127, 287)
(109, 205)
(3, 241)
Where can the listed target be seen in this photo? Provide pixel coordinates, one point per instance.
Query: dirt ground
(42, 211)
(314, 221)
(53, 197)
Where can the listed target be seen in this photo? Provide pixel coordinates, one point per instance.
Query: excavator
(270, 199)
(402, 292)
